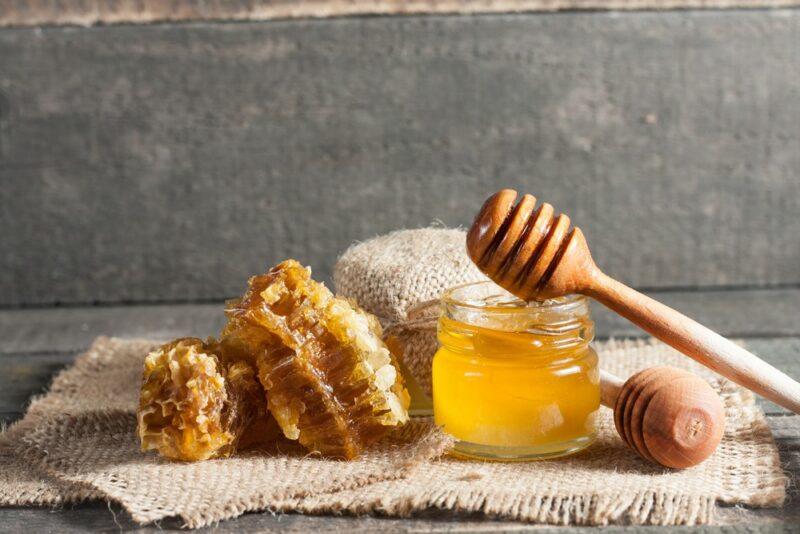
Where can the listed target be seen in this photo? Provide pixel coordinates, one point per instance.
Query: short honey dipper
(668, 416)
(536, 255)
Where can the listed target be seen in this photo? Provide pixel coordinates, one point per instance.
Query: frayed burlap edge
(650, 508)
(763, 483)
(22, 484)
(98, 464)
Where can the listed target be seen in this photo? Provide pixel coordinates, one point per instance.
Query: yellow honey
(513, 380)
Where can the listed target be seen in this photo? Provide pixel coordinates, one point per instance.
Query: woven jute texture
(391, 274)
(399, 277)
(81, 435)
(88, 12)
(77, 442)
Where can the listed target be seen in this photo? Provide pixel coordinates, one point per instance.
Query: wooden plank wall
(92, 12)
(169, 162)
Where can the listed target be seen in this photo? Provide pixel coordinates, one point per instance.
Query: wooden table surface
(36, 343)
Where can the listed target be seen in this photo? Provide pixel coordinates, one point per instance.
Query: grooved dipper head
(527, 250)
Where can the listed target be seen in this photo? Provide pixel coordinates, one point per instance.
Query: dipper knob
(668, 416)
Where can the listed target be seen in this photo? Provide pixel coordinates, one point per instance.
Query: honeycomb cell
(197, 403)
(332, 383)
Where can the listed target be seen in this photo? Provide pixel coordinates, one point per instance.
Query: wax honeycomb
(197, 403)
(332, 383)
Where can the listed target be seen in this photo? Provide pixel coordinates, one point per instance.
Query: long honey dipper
(668, 416)
(536, 255)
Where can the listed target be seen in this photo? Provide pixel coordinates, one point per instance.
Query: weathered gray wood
(783, 354)
(170, 162)
(73, 329)
(54, 12)
(743, 313)
(24, 376)
(101, 517)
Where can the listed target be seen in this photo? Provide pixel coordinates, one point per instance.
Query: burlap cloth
(77, 442)
(399, 278)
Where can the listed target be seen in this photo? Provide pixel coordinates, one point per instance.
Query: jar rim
(565, 304)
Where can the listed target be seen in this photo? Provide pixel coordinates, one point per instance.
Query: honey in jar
(513, 380)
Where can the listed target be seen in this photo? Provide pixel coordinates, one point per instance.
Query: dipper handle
(610, 386)
(536, 255)
(698, 342)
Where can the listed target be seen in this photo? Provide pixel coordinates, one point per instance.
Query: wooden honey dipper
(537, 256)
(668, 416)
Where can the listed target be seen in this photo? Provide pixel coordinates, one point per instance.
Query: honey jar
(512, 380)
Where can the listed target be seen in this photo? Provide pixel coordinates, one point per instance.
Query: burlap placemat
(89, 12)
(78, 442)
(81, 435)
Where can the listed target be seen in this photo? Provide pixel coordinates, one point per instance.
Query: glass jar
(513, 380)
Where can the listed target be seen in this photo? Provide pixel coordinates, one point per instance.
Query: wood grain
(749, 313)
(129, 154)
(675, 419)
(693, 339)
(89, 12)
(679, 422)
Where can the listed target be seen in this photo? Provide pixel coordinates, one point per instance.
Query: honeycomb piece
(331, 381)
(196, 403)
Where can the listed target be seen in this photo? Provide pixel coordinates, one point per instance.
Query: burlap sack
(78, 442)
(389, 274)
(398, 277)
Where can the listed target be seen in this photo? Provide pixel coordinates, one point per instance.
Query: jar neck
(481, 313)
(465, 337)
